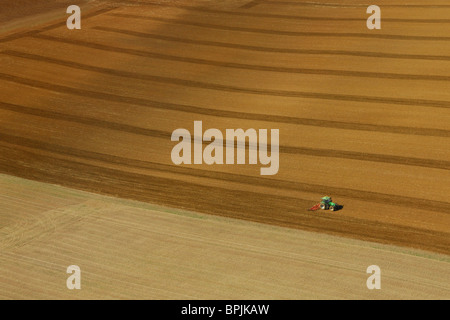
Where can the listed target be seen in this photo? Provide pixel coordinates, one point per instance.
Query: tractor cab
(326, 199)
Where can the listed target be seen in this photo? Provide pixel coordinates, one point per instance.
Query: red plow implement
(315, 207)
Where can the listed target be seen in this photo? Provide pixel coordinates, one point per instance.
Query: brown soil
(363, 115)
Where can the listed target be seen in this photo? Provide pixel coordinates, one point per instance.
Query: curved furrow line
(353, 155)
(210, 86)
(376, 197)
(400, 160)
(231, 114)
(282, 16)
(277, 210)
(234, 65)
(258, 48)
(282, 32)
(250, 4)
(356, 5)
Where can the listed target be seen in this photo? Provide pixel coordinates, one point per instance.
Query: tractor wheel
(322, 206)
(332, 208)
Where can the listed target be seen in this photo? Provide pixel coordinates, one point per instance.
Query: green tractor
(327, 204)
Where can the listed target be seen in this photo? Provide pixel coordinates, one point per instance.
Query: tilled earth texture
(363, 116)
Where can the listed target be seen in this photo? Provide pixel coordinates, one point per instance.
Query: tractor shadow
(338, 207)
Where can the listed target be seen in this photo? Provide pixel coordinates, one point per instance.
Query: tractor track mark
(248, 5)
(231, 114)
(353, 155)
(259, 48)
(222, 64)
(236, 204)
(320, 4)
(212, 86)
(363, 156)
(243, 179)
(283, 32)
(253, 3)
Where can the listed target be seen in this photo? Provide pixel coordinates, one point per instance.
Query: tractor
(325, 204)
